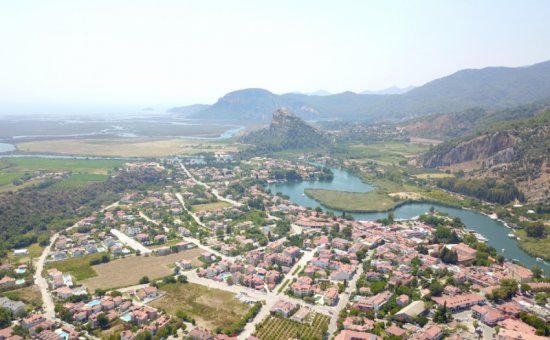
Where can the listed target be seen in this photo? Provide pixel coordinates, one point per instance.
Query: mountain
(286, 131)
(459, 124)
(185, 111)
(515, 151)
(490, 88)
(390, 90)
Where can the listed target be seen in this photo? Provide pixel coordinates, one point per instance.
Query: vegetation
(211, 308)
(485, 189)
(79, 267)
(352, 201)
(277, 328)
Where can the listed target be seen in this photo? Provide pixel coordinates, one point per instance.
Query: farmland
(211, 308)
(129, 270)
(275, 328)
(352, 201)
(116, 147)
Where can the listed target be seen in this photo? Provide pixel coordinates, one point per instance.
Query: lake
(495, 231)
(5, 147)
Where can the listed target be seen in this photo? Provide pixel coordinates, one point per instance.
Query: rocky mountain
(491, 88)
(516, 151)
(286, 131)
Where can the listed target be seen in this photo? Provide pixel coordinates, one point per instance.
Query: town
(211, 227)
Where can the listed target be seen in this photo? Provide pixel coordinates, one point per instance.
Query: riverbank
(533, 246)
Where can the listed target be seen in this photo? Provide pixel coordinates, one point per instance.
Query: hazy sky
(99, 56)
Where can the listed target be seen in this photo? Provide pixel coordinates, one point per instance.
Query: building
(354, 335)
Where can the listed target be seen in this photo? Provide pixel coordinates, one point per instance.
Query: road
(343, 301)
(207, 187)
(42, 283)
(130, 242)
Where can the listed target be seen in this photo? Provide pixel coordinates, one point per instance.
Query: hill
(489, 88)
(513, 152)
(285, 132)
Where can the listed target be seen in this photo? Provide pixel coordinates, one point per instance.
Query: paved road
(343, 301)
(130, 242)
(207, 187)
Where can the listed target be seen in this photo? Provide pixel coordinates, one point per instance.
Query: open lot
(129, 270)
(28, 295)
(211, 308)
(210, 206)
(124, 147)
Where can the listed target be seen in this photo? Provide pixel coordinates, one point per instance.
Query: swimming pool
(126, 317)
(93, 303)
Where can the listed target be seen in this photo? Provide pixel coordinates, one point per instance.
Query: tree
(537, 272)
(535, 229)
(102, 320)
(144, 280)
(5, 317)
(442, 314)
(182, 279)
(436, 289)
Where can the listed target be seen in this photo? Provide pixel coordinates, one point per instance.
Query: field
(83, 171)
(534, 246)
(79, 181)
(387, 153)
(210, 206)
(275, 328)
(352, 201)
(120, 147)
(35, 251)
(79, 267)
(129, 270)
(28, 295)
(211, 308)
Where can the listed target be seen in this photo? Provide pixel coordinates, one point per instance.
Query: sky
(120, 56)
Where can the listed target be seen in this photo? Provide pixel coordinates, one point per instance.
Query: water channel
(495, 231)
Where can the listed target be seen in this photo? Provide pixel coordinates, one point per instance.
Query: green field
(210, 206)
(387, 153)
(35, 251)
(433, 175)
(211, 308)
(352, 201)
(79, 267)
(534, 246)
(83, 172)
(275, 328)
(79, 181)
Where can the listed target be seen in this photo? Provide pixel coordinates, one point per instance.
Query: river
(495, 231)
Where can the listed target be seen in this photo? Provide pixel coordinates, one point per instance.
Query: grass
(211, 308)
(134, 147)
(210, 206)
(388, 152)
(352, 201)
(79, 181)
(35, 250)
(534, 246)
(129, 270)
(79, 267)
(28, 295)
(433, 175)
(275, 328)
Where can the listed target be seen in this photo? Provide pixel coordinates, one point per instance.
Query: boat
(502, 251)
(480, 237)
(511, 235)
(539, 259)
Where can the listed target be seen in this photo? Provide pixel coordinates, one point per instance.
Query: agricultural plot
(276, 328)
